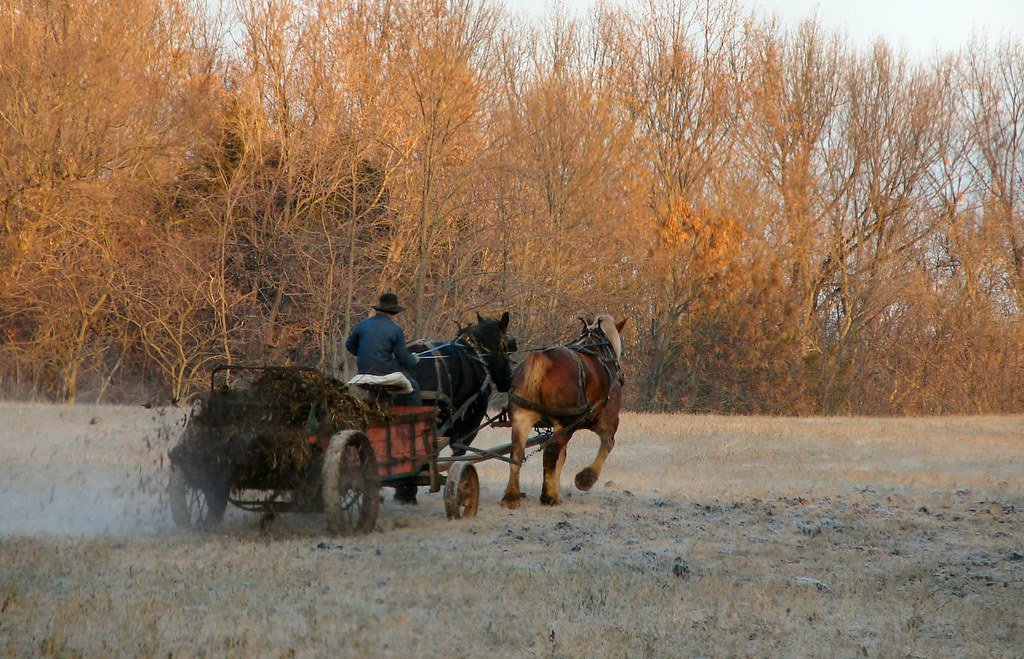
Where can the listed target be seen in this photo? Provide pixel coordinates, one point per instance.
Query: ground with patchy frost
(705, 535)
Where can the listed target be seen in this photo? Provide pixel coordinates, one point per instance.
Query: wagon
(242, 446)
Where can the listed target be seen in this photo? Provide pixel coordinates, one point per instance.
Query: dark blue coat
(379, 346)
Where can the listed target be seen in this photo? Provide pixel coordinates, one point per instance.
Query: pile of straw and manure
(262, 426)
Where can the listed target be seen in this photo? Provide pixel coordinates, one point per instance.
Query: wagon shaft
(495, 452)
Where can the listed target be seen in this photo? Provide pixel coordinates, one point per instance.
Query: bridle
(466, 338)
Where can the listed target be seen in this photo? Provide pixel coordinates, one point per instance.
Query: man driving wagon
(379, 346)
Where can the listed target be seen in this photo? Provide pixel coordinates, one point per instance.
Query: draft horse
(457, 376)
(578, 385)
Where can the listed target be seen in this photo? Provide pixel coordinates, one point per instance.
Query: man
(379, 346)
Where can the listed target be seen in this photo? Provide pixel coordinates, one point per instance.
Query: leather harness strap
(581, 371)
(458, 414)
(440, 394)
(556, 412)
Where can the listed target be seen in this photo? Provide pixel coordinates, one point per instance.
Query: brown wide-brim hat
(389, 304)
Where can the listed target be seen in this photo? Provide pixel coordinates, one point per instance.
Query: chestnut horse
(575, 386)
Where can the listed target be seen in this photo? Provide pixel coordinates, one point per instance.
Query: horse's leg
(554, 458)
(467, 429)
(605, 430)
(522, 424)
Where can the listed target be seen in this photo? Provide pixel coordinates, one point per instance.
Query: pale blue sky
(921, 26)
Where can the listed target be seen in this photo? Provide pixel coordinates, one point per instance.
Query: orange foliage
(791, 225)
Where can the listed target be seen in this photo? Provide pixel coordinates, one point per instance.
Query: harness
(440, 366)
(595, 343)
(581, 391)
(471, 348)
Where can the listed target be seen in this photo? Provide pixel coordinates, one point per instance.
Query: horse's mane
(607, 324)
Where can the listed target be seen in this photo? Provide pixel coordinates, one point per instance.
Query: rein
(426, 353)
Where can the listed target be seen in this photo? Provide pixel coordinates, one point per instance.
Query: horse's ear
(504, 321)
(619, 325)
(479, 318)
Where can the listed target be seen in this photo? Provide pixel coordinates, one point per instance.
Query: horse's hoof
(545, 500)
(586, 479)
(510, 502)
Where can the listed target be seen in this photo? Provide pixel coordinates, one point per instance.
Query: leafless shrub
(794, 225)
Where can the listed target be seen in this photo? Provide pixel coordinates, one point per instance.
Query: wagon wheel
(195, 508)
(351, 484)
(461, 491)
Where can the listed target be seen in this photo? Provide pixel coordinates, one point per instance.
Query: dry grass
(909, 526)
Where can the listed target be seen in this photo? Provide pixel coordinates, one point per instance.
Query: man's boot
(405, 494)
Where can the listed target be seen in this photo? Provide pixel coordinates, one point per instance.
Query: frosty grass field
(705, 535)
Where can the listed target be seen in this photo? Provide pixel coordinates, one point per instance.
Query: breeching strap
(544, 409)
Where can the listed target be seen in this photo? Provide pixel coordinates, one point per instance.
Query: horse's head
(594, 324)
(491, 337)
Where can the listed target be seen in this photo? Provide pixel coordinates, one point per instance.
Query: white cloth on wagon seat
(396, 383)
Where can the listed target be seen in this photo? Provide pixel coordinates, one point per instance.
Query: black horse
(457, 376)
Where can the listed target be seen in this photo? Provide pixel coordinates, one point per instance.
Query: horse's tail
(532, 373)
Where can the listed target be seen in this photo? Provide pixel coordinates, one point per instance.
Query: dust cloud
(85, 470)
